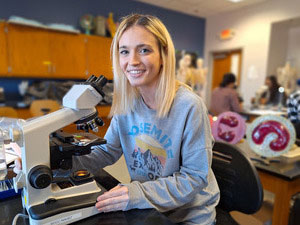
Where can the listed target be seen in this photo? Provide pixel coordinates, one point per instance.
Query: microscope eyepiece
(92, 78)
(101, 81)
(97, 83)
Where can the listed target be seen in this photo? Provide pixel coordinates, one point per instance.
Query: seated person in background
(241, 100)
(225, 98)
(272, 96)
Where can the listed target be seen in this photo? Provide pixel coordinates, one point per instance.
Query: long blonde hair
(124, 95)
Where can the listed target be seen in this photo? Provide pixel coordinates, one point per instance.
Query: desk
(12, 206)
(283, 179)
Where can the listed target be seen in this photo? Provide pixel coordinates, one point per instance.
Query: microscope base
(64, 211)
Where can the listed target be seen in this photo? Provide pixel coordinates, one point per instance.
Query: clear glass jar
(3, 167)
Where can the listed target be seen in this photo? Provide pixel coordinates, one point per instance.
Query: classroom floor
(262, 217)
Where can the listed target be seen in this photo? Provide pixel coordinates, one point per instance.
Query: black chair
(238, 180)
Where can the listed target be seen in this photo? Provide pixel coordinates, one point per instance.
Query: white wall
(253, 29)
(278, 46)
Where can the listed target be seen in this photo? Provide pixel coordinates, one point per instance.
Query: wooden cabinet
(3, 50)
(28, 51)
(36, 52)
(68, 55)
(98, 56)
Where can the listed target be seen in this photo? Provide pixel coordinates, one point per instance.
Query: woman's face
(268, 83)
(139, 57)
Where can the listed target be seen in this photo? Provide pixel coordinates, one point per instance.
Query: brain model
(229, 127)
(271, 135)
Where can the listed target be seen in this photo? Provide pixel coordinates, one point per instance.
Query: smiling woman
(160, 126)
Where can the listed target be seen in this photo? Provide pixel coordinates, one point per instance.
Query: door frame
(210, 70)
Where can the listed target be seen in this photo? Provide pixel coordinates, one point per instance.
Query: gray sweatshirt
(169, 159)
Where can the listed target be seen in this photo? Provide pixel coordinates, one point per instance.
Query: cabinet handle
(48, 64)
(54, 69)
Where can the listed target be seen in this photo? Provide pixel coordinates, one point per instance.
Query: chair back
(6, 111)
(43, 106)
(238, 180)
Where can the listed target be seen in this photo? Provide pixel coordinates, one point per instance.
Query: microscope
(52, 192)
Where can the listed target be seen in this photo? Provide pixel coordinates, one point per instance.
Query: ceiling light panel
(201, 8)
(235, 1)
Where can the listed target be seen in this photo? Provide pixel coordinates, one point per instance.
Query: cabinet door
(68, 55)
(28, 51)
(98, 56)
(3, 51)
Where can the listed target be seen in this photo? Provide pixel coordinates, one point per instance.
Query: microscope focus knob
(40, 176)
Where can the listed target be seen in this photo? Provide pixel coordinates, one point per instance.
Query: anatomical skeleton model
(194, 77)
(287, 78)
(199, 78)
(184, 73)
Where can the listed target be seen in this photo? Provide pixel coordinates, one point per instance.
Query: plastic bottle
(10, 130)
(3, 167)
